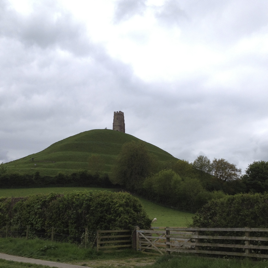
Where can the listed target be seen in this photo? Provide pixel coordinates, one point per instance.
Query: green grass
(71, 154)
(199, 262)
(166, 217)
(12, 264)
(57, 251)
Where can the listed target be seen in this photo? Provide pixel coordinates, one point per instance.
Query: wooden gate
(240, 242)
(162, 240)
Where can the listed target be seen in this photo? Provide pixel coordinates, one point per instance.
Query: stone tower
(119, 122)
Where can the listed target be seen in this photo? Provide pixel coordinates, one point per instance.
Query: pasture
(165, 216)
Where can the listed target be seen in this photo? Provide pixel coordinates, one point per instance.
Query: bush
(243, 210)
(72, 212)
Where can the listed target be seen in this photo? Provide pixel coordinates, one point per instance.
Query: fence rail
(242, 242)
(114, 239)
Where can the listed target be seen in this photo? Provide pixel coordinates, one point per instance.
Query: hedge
(71, 213)
(242, 210)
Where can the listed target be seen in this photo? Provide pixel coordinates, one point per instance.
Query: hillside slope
(72, 154)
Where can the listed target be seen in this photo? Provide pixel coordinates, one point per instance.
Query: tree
(133, 165)
(256, 177)
(163, 185)
(183, 168)
(3, 169)
(203, 163)
(224, 170)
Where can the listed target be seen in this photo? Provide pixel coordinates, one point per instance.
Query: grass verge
(12, 264)
(56, 251)
(199, 262)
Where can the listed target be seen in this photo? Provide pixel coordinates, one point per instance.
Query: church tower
(119, 122)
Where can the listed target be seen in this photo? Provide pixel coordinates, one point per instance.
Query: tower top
(119, 122)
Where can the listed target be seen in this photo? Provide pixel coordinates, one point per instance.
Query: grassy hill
(72, 154)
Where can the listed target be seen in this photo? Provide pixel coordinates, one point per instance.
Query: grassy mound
(72, 154)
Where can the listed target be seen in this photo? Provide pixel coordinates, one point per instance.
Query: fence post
(86, 236)
(246, 241)
(135, 238)
(197, 240)
(52, 233)
(27, 231)
(167, 240)
(98, 240)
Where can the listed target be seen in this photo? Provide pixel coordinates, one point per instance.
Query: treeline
(183, 185)
(82, 178)
(178, 184)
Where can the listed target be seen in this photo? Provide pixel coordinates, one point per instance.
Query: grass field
(166, 217)
(73, 153)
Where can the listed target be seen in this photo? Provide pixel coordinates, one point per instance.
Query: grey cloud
(171, 13)
(125, 9)
(47, 27)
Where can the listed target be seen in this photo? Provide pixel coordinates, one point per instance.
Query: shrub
(243, 210)
(75, 211)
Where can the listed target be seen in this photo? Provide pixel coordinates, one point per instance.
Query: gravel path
(41, 262)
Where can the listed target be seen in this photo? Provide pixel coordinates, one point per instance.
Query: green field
(166, 217)
(72, 154)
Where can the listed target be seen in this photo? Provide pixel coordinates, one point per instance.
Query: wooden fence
(114, 239)
(241, 242)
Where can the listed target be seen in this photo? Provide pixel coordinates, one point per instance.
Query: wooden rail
(242, 242)
(114, 239)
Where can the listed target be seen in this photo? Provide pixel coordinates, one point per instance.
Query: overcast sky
(191, 76)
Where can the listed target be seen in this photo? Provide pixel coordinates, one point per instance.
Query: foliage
(203, 163)
(241, 210)
(256, 177)
(3, 169)
(183, 168)
(133, 165)
(165, 216)
(81, 178)
(74, 211)
(163, 185)
(167, 187)
(224, 170)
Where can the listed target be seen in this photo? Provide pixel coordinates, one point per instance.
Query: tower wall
(119, 122)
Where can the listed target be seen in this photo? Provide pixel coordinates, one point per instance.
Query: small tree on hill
(203, 163)
(133, 165)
